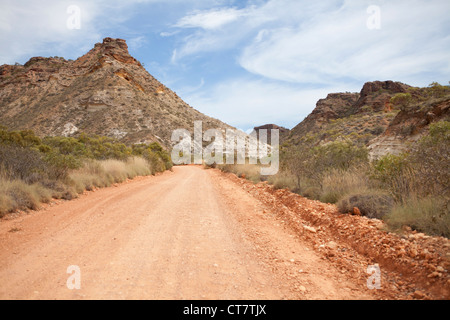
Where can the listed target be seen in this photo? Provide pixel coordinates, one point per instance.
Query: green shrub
(22, 163)
(430, 160)
(437, 90)
(402, 100)
(33, 170)
(394, 173)
(25, 138)
(158, 158)
(60, 164)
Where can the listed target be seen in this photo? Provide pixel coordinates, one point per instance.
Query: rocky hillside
(371, 118)
(105, 92)
(409, 125)
(366, 114)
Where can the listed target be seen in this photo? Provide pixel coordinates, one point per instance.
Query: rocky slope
(334, 106)
(409, 126)
(373, 99)
(369, 118)
(105, 92)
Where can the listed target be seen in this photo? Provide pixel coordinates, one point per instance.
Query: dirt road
(187, 234)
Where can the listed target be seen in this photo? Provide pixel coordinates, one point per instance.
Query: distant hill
(105, 92)
(282, 131)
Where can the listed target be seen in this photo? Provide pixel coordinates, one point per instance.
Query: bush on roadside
(373, 204)
(338, 183)
(18, 195)
(34, 170)
(250, 172)
(430, 215)
(282, 180)
(22, 163)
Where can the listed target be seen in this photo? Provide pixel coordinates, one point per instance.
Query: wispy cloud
(337, 45)
(29, 27)
(211, 19)
(326, 42)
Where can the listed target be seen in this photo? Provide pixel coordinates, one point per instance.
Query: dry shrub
(22, 163)
(59, 189)
(373, 204)
(137, 166)
(89, 176)
(338, 183)
(103, 173)
(429, 215)
(115, 169)
(16, 194)
(250, 172)
(283, 180)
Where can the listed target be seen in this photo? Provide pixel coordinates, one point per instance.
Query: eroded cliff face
(377, 95)
(366, 113)
(407, 128)
(369, 118)
(105, 92)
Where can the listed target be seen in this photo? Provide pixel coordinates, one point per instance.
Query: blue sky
(247, 63)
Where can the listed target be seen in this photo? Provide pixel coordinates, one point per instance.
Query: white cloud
(136, 42)
(211, 19)
(29, 27)
(226, 28)
(327, 41)
(413, 40)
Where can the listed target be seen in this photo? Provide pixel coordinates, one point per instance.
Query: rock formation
(105, 92)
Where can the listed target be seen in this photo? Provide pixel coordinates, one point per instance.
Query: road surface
(188, 234)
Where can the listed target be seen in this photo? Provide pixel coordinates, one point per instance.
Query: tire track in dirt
(187, 234)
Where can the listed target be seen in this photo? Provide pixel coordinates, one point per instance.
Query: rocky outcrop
(408, 127)
(105, 92)
(377, 95)
(334, 106)
(374, 97)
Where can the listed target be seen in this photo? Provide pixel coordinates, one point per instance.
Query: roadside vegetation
(410, 189)
(35, 170)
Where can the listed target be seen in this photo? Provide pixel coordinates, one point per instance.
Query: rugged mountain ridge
(374, 97)
(104, 92)
(369, 117)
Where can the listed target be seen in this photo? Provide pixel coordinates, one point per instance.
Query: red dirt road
(187, 234)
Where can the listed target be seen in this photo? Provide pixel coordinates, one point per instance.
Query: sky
(247, 63)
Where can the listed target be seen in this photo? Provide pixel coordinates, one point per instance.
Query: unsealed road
(187, 234)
